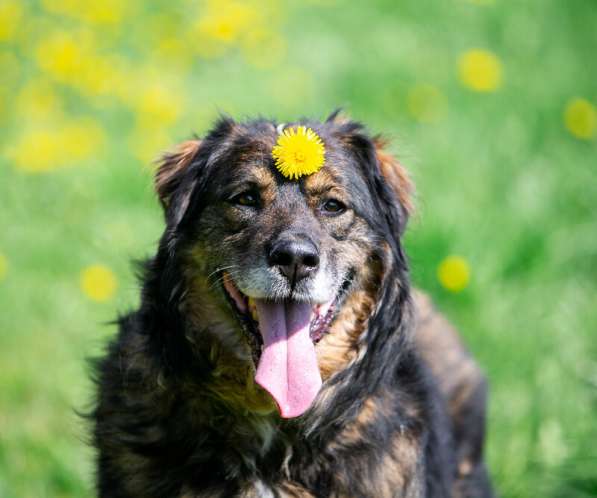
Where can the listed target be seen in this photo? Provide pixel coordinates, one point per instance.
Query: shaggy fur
(401, 412)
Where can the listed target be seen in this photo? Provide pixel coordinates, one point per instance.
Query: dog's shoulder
(462, 386)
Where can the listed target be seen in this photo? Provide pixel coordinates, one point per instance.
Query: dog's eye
(333, 206)
(246, 199)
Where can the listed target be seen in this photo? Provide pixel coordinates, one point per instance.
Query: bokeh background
(490, 104)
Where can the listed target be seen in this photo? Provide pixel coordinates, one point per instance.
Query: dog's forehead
(248, 155)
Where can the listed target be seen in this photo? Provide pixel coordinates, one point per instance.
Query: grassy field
(491, 105)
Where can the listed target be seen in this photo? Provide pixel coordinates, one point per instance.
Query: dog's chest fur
(171, 436)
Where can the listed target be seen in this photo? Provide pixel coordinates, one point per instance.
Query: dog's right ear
(172, 168)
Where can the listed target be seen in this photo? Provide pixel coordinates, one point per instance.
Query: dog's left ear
(394, 175)
(171, 169)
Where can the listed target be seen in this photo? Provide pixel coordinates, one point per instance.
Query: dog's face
(279, 239)
(287, 265)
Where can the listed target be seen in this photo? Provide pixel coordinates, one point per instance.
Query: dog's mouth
(282, 337)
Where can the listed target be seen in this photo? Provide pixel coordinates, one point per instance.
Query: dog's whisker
(220, 275)
(220, 279)
(221, 269)
(214, 285)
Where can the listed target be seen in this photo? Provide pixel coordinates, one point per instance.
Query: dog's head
(281, 275)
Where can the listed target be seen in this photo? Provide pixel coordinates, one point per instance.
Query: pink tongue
(288, 367)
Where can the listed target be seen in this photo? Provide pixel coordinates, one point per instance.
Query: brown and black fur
(401, 410)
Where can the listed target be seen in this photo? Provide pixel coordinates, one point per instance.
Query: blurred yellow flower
(10, 16)
(453, 273)
(62, 56)
(103, 75)
(225, 21)
(426, 103)
(47, 148)
(37, 99)
(223, 24)
(98, 282)
(174, 51)
(72, 58)
(3, 266)
(158, 105)
(108, 12)
(580, 118)
(480, 70)
(84, 138)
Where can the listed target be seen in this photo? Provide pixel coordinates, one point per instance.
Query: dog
(278, 349)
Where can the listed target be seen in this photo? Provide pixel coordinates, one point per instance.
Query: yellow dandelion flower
(72, 58)
(299, 151)
(580, 118)
(107, 12)
(62, 56)
(98, 282)
(426, 103)
(47, 148)
(100, 75)
(158, 105)
(3, 266)
(82, 139)
(38, 99)
(10, 16)
(225, 22)
(174, 51)
(36, 151)
(480, 70)
(453, 273)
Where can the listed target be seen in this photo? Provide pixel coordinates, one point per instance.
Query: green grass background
(500, 182)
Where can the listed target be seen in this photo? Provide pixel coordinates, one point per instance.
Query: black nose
(295, 259)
